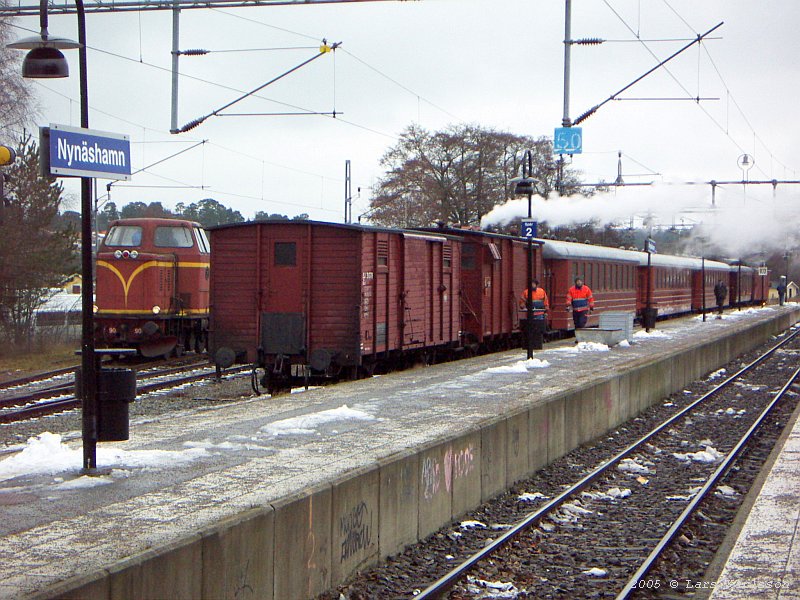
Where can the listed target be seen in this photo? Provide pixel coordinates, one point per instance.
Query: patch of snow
(521, 366)
(575, 509)
(47, 454)
(307, 424)
(491, 589)
(624, 344)
(630, 465)
(472, 525)
(709, 455)
(616, 492)
(655, 333)
(726, 490)
(595, 572)
(532, 497)
(84, 482)
(716, 374)
(690, 494)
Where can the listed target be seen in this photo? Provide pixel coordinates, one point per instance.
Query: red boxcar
(153, 286)
(493, 273)
(609, 272)
(303, 298)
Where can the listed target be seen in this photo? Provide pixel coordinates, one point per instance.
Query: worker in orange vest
(581, 301)
(539, 305)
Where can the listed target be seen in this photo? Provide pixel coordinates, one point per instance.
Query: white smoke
(740, 223)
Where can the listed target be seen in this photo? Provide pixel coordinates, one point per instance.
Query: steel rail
(448, 580)
(61, 389)
(720, 472)
(62, 404)
(32, 378)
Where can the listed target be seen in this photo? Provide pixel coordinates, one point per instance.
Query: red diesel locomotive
(152, 288)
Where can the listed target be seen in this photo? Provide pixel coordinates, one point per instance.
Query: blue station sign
(77, 152)
(528, 228)
(568, 140)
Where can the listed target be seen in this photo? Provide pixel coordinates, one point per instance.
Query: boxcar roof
(564, 250)
(440, 235)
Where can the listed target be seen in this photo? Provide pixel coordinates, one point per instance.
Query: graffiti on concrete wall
(454, 465)
(430, 477)
(355, 530)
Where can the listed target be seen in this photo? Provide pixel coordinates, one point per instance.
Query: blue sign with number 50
(568, 140)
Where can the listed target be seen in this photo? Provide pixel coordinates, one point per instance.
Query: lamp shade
(45, 63)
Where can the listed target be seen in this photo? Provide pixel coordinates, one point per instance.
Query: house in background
(72, 285)
(792, 291)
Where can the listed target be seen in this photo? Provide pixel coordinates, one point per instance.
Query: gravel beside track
(147, 407)
(611, 535)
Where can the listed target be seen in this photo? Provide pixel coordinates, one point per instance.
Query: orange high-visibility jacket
(580, 299)
(538, 300)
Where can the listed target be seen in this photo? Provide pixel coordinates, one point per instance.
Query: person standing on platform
(539, 305)
(782, 290)
(720, 291)
(581, 301)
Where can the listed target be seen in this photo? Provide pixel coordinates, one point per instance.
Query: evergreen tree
(34, 255)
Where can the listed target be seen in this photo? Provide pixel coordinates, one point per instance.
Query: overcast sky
(496, 63)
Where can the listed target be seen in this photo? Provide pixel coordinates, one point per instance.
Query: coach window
(285, 254)
(447, 256)
(202, 241)
(173, 237)
(124, 236)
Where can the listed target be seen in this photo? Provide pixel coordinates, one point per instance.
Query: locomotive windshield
(125, 236)
(173, 237)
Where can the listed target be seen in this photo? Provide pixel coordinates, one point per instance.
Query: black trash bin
(116, 388)
(649, 318)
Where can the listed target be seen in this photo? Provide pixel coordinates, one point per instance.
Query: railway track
(593, 525)
(61, 397)
(587, 523)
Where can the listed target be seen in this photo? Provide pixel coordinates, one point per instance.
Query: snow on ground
(630, 465)
(726, 490)
(716, 374)
(308, 424)
(689, 495)
(614, 493)
(595, 572)
(582, 347)
(532, 497)
(521, 366)
(47, 454)
(650, 335)
(472, 525)
(491, 589)
(709, 455)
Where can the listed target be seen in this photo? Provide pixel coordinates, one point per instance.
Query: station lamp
(45, 60)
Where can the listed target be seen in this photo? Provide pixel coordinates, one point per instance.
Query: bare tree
(16, 99)
(457, 175)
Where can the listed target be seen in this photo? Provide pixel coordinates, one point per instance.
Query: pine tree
(34, 256)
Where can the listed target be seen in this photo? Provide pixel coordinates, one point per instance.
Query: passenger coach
(609, 272)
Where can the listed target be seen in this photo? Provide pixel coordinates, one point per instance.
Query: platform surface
(191, 470)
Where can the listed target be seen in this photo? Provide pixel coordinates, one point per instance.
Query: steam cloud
(743, 223)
